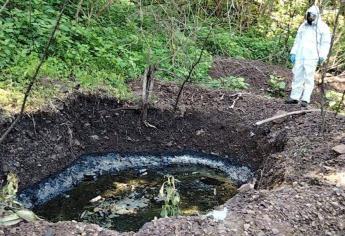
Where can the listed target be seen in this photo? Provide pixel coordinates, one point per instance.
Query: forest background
(104, 44)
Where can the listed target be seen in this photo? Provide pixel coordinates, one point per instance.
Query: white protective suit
(311, 43)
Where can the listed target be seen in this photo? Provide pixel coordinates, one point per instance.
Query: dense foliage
(103, 44)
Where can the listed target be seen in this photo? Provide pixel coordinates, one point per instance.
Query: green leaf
(10, 220)
(161, 191)
(27, 215)
(176, 200)
(164, 212)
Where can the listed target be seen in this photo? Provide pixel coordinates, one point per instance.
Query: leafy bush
(277, 86)
(335, 101)
(222, 42)
(229, 83)
(227, 43)
(259, 48)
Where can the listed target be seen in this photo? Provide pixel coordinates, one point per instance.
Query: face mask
(311, 18)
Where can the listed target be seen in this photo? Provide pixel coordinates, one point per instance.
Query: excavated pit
(50, 147)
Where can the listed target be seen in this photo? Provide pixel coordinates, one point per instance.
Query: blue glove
(293, 58)
(321, 60)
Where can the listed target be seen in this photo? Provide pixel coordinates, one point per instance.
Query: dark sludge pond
(126, 201)
(121, 191)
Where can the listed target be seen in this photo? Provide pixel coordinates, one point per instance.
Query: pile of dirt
(293, 193)
(257, 74)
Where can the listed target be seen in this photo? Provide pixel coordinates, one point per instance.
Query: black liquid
(129, 199)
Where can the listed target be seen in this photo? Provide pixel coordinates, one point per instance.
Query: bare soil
(300, 185)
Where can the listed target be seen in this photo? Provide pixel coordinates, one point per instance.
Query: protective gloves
(321, 60)
(293, 58)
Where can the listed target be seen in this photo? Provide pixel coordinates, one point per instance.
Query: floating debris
(127, 200)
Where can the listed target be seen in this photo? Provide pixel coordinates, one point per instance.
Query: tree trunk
(148, 80)
(80, 5)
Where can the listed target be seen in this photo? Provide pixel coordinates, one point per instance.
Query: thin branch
(126, 108)
(79, 7)
(34, 77)
(104, 7)
(324, 70)
(284, 115)
(175, 76)
(4, 6)
(235, 100)
(191, 70)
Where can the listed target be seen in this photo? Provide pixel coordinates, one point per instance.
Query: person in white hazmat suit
(311, 47)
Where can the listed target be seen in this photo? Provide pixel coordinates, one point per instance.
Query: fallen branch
(335, 79)
(34, 77)
(284, 115)
(239, 95)
(147, 124)
(126, 108)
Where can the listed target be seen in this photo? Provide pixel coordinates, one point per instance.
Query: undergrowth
(104, 52)
(105, 49)
(231, 83)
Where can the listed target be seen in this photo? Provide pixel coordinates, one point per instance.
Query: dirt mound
(257, 73)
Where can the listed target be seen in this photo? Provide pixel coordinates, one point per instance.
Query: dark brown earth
(46, 142)
(257, 73)
(300, 187)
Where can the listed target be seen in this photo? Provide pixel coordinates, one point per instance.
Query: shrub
(335, 101)
(228, 83)
(277, 86)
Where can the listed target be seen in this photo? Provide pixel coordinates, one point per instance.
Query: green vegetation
(245, 46)
(277, 86)
(171, 198)
(11, 211)
(229, 83)
(104, 44)
(336, 101)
